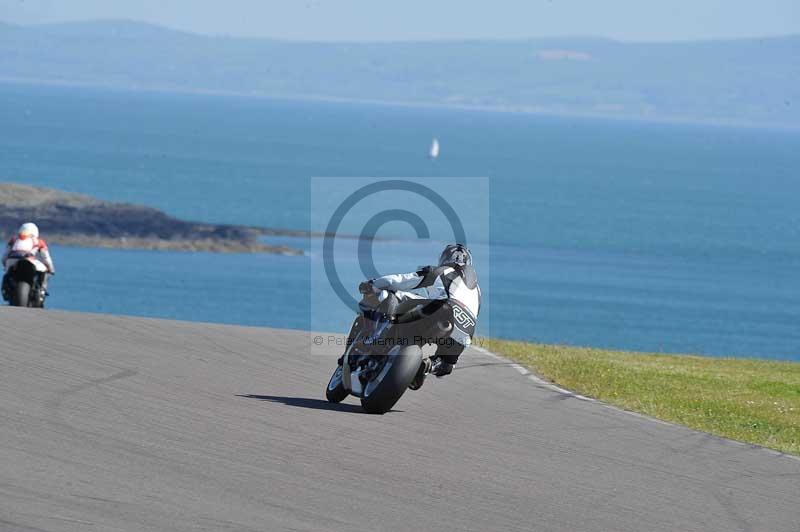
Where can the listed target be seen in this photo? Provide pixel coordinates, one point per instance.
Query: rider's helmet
(28, 229)
(455, 254)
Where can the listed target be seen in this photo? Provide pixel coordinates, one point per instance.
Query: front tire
(21, 294)
(335, 392)
(381, 393)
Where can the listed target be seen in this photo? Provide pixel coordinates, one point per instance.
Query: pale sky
(359, 20)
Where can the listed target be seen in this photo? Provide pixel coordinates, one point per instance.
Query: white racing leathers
(30, 248)
(457, 284)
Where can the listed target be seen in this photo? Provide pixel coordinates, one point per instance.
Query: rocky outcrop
(75, 219)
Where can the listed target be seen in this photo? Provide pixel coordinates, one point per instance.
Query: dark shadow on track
(305, 402)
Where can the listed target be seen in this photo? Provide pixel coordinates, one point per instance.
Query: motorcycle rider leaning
(454, 280)
(27, 244)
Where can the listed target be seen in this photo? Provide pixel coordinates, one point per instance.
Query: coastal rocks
(78, 220)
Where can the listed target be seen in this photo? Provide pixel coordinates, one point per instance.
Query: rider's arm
(398, 281)
(44, 253)
(427, 282)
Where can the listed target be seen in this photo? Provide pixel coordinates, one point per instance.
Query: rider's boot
(422, 372)
(44, 277)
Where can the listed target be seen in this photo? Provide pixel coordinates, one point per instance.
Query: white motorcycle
(23, 283)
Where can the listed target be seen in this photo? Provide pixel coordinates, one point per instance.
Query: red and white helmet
(28, 229)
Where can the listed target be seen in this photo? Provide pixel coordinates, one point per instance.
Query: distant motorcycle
(22, 284)
(383, 356)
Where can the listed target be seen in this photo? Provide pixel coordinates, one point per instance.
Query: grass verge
(754, 401)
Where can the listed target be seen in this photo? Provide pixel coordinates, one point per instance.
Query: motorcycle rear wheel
(385, 389)
(20, 295)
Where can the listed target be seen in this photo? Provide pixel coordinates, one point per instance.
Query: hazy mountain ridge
(747, 80)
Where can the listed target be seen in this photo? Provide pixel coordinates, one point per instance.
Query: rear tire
(404, 365)
(19, 298)
(335, 392)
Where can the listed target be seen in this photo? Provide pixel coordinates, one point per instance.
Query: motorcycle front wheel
(335, 392)
(385, 389)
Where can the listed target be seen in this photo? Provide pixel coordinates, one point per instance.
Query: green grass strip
(753, 401)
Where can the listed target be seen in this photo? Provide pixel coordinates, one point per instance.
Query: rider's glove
(443, 368)
(366, 288)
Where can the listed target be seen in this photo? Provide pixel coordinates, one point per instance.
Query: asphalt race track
(111, 423)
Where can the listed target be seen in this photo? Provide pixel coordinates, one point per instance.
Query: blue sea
(631, 235)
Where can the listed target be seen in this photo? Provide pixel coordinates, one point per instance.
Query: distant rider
(453, 280)
(27, 244)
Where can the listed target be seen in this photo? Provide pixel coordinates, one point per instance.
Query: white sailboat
(434, 153)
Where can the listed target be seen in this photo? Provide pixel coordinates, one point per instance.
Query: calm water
(629, 235)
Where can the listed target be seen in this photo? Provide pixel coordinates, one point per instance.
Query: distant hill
(746, 81)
